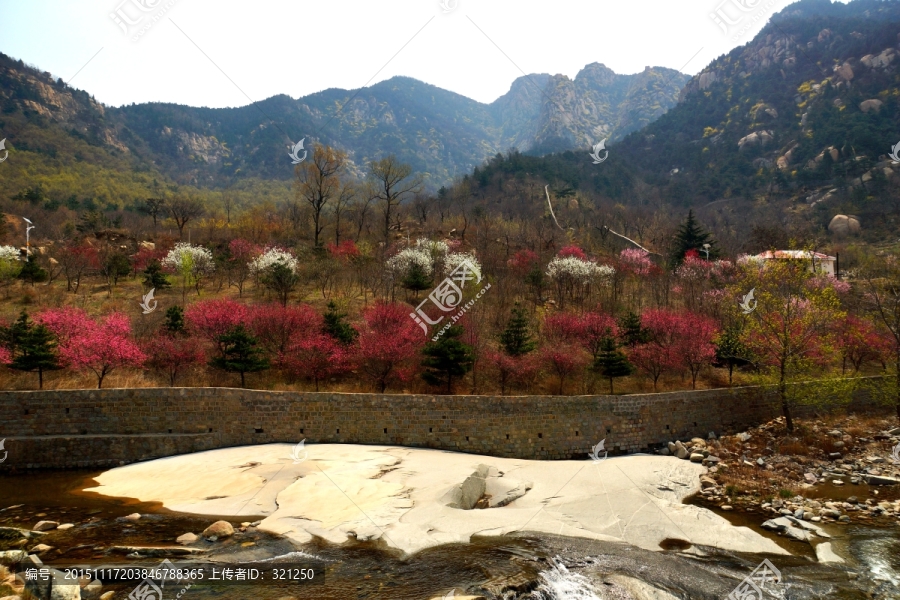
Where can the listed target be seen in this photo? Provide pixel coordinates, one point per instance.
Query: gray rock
(45, 526)
(671, 447)
(760, 462)
(744, 436)
(219, 529)
(881, 480)
(156, 550)
(711, 435)
(824, 554)
(11, 558)
(835, 433)
(831, 513)
(92, 590)
(810, 478)
(471, 491)
(680, 450)
(697, 457)
(187, 538)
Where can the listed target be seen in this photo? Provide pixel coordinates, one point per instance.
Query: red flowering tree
(87, 345)
(660, 353)
(513, 370)
(572, 251)
(523, 262)
(389, 340)
(345, 251)
(316, 357)
(145, 256)
(240, 254)
(278, 327)
(696, 341)
(859, 343)
(213, 318)
(76, 260)
(586, 330)
(172, 355)
(564, 360)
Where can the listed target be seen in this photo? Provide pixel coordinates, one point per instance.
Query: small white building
(821, 263)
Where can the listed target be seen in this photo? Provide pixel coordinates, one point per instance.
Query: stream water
(507, 568)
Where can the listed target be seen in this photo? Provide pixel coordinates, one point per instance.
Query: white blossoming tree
(191, 263)
(575, 277)
(277, 270)
(9, 267)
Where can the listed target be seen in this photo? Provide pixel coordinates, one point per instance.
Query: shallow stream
(509, 568)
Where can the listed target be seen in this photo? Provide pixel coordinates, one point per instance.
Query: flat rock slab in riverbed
(399, 495)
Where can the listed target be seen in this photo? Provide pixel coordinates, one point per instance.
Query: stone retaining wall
(98, 428)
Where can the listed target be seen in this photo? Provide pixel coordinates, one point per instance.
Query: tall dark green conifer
(631, 331)
(447, 359)
(515, 339)
(691, 236)
(33, 348)
(174, 323)
(154, 277)
(611, 362)
(416, 279)
(239, 353)
(335, 325)
(32, 272)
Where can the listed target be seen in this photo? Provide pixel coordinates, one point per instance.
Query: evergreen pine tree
(282, 280)
(335, 326)
(731, 350)
(611, 362)
(33, 348)
(174, 323)
(32, 272)
(515, 339)
(447, 358)
(154, 277)
(416, 279)
(631, 331)
(691, 236)
(239, 353)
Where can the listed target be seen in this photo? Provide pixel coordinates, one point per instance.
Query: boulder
(92, 590)
(40, 549)
(10, 558)
(881, 480)
(219, 529)
(696, 457)
(45, 526)
(65, 526)
(187, 538)
(870, 105)
(132, 517)
(842, 225)
(680, 450)
(698, 442)
(844, 72)
(707, 79)
(824, 554)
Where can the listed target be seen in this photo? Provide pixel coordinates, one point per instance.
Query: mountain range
(441, 134)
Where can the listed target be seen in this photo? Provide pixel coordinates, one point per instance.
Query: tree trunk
(242, 380)
(730, 373)
(785, 409)
(40, 379)
(611, 386)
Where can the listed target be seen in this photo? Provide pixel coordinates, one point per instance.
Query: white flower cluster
(185, 257)
(583, 271)
(402, 262)
(271, 256)
(457, 258)
(8, 253)
(436, 249)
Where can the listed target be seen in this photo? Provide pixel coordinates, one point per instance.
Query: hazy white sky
(297, 47)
